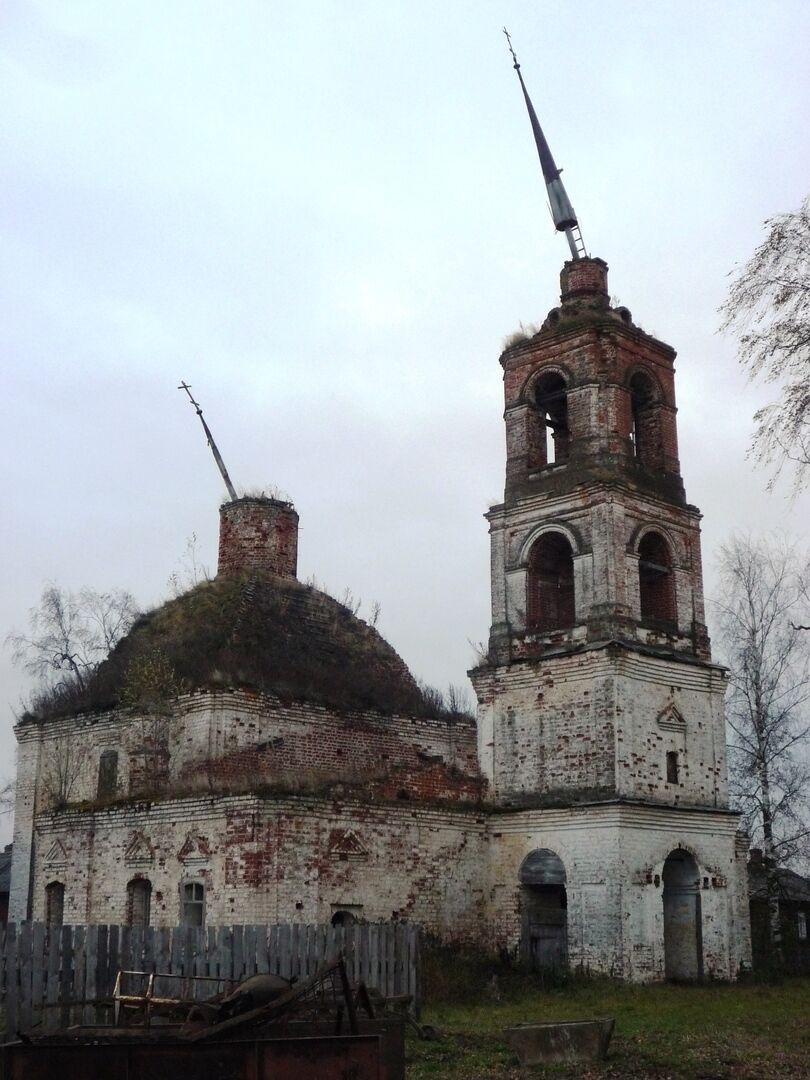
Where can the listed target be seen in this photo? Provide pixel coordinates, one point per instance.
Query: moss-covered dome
(264, 632)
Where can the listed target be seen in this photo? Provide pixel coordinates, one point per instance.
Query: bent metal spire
(562, 212)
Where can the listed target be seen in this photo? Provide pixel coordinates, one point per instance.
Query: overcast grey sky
(327, 217)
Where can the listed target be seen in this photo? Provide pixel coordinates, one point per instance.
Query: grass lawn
(710, 1032)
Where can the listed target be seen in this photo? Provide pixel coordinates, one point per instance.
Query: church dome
(254, 626)
(269, 633)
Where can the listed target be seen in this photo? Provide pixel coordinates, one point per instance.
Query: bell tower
(600, 713)
(592, 451)
(596, 572)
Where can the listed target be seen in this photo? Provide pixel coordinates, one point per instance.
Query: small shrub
(525, 333)
(460, 975)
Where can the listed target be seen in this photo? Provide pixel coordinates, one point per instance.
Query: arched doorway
(683, 946)
(544, 937)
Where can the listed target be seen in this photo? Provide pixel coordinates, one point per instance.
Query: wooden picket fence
(57, 976)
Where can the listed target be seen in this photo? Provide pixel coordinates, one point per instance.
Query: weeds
(744, 1031)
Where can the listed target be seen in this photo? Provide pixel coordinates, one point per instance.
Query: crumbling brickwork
(600, 712)
(269, 860)
(258, 534)
(601, 722)
(587, 804)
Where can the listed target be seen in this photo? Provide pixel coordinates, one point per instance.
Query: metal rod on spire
(562, 212)
(217, 457)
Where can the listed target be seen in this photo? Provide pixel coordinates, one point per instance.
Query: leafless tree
(768, 311)
(71, 633)
(7, 791)
(761, 600)
(63, 764)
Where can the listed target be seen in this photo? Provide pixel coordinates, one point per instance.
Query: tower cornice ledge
(614, 646)
(560, 333)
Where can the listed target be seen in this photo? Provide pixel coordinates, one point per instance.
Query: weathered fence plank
(55, 975)
(39, 949)
(51, 978)
(91, 950)
(284, 961)
(79, 972)
(66, 974)
(12, 980)
(24, 1001)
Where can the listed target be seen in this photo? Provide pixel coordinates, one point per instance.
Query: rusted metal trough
(264, 1029)
(331, 1057)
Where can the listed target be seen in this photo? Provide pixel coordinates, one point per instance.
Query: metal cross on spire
(217, 457)
(562, 212)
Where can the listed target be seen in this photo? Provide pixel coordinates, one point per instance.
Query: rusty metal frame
(147, 1001)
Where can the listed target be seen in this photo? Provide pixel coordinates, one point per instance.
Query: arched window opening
(645, 422)
(550, 599)
(551, 398)
(656, 581)
(343, 918)
(54, 903)
(683, 948)
(544, 906)
(139, 902)
(107, 774)
(192, 907)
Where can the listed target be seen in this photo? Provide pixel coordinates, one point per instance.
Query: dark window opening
(550, 435)
(656, 581)
(672, 766)
(193, 904)
(645, 422)
(107, 774)
(551, 583)
(344, 918)
(54, 903)
(139, 902)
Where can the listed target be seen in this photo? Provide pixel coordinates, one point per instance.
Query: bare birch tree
(761, 601)
(69, 634)
(768, 311)
(64, 762)
(7, 794)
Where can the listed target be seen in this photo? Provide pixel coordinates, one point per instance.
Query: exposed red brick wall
(258, 534)
(297, 747)
(598, 358)
(583, 276)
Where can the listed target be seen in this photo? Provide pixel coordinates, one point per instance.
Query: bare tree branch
(768, 656)
(69, 634)
(768, 310)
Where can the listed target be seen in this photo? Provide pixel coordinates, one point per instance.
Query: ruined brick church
(290, 771)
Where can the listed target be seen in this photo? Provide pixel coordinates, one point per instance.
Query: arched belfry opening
(551, 403)
(550, 601)
(683, 944)
(645, 421)
(656, 582)
(544, 904)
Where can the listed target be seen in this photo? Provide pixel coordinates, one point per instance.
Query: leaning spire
(562, 212)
